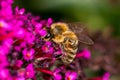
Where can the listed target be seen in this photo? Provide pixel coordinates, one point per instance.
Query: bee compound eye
(47, 36)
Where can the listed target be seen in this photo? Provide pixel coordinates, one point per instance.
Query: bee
(68, 36)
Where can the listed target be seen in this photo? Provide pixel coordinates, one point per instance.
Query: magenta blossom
(29, 72)
(49, 22)
(19, 11)
(21, 72)
(85, 53)
(4, 74)
(20, 33)
(42, 32)
(18, 78)
(3, 61)
(106, 76)
(23, 44)
(4, 50)
(70, 75)
(47, 48)
(8, 42)
(28, 55)
(29, 38)
(57, 75)
(6, 9)
(5, 25)
(38, 26)
(18, 63)
(6, 46)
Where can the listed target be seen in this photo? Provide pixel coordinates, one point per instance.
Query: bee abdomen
(69, 57)
(69, 54)
(69, 47)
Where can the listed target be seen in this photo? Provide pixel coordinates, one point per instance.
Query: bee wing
(78, 28)
(85, 39)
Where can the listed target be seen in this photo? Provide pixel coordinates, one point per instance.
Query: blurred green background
(98, 15)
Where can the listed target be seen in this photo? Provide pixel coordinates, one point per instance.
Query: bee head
(58, 28)
(48, 36)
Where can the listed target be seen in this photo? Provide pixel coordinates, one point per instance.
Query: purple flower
(106, 76)
(3, 61)
(49, 22)
(10, 1)
(70, 75)
(23, 44)
(85, 53)
(28, 55)
(17, 48)
(38, 29)
(20, 33)
(29, 72)
(4, 50)
(57, 75)
(17, 24)
(8, 42)
(42, 32)
(29, 38)
(18, 63)
(38, 26)
(21, 72)
(18, 78)
(19, 11)
(6, 46)
(6, 10)
(4, 74)
(4, 25)
(47, 48)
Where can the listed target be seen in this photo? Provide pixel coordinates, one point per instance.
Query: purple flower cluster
(19, 34)
(69, 75)
(23, 50)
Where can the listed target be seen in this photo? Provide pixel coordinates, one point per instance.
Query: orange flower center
(68, 78)
(46, 48)
(28, 55)
(1, 24)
